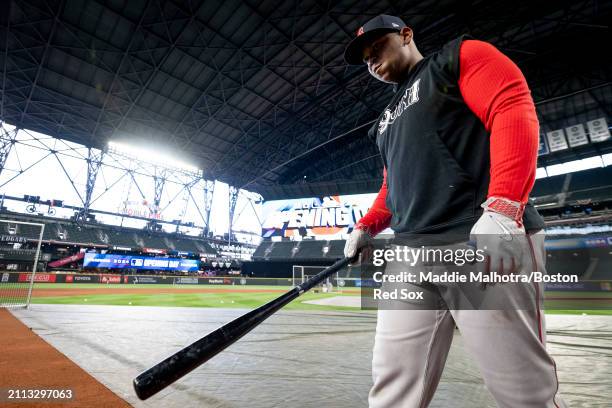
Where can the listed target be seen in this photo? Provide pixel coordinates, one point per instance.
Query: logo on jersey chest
(410, 97)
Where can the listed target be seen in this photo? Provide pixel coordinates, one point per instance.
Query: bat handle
(318, 278)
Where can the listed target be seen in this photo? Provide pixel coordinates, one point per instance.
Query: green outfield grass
(603, 312)
(563, 303)
(599, 303)
(249, 299)
(221, 300)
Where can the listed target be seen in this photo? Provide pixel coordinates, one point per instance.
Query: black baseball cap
(374, 28)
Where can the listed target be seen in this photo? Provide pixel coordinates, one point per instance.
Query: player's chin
(385, 78)
(381, 75)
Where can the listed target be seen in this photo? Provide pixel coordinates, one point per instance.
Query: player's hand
(356, 240)
(500, 233)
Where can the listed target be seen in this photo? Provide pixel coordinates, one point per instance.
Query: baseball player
(459, 143)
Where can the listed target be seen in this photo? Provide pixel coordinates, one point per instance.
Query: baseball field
(178, 295)
(250, 297)
(100, 336)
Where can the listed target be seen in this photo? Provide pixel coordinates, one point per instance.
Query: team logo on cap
(360, 31)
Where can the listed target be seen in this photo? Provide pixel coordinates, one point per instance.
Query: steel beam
(94, 162)
(233, 199)
(7, 140)
(209, 192)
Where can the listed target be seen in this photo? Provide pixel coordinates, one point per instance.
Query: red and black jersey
(460, 128)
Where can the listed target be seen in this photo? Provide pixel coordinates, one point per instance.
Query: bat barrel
(189, 358)
(158, 377)
(176, 366)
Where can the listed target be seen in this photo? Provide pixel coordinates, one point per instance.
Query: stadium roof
(245, 89)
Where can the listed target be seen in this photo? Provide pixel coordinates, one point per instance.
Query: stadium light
(541, 173)
(150, 156)
(574, 166)
(607, 159)
(545, 205)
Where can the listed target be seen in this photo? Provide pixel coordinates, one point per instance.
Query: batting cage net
(301, 273)
(19, 255)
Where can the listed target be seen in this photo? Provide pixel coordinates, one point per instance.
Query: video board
(115, 261)
(329, 217)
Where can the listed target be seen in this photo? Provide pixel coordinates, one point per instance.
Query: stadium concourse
(167, 167)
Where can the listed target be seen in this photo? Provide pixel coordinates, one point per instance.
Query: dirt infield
(29, 362)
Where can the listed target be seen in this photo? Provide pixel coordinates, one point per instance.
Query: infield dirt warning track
(29, 362)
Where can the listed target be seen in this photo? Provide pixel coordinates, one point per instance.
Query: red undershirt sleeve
(378, 216)
(496, 91)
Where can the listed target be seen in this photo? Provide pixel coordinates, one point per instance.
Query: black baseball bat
(163, 374)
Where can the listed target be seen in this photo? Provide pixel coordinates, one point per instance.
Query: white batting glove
(356, 240)
(500, 233)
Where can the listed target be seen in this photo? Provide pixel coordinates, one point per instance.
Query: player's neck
(416, 57)
(414, 60)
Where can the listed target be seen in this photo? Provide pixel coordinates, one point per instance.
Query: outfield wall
(44, 277)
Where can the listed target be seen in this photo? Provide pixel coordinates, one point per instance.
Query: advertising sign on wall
(140, 208)
(39, 277)
(13, 239)
(217, 281)
(82, 278)
(186, 281)
(110, 278)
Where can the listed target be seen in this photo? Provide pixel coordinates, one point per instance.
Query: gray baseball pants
(509, 347)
